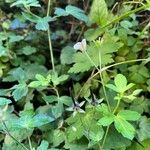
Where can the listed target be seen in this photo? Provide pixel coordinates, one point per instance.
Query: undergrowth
(74, 75)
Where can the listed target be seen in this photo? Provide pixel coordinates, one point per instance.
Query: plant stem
(91, 60)
(105, 136)
(49, 38)
(107, 67)
(30, 145)
(117, 106)
(7, 131)
(117, 64)
(103, 85)
(126, 15)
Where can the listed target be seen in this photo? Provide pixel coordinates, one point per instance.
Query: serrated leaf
(19, 74)
(20, 91)
(34, 84)
(99, 12)
(106, 120)
(42, 23)
(4, 101)
(60, 12)
(41, 119)
(120, 82)
(29, 121)
(28, 50)
(66, 56)
(129, 115)
(95, 51)
(115, 140)
(77, 13)
(26, 3)
(144, 129)
(124, 127)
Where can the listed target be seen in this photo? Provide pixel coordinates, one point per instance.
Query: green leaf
(19, 74)
(99, 12)
(62, 99)
(112, 87)
(77, 13)
(3, 51)
(43, 146)
(115, 140)
(20, 91)
(106, 120)
(95, 133)
(4, 101)
(26, 3)
(144, 129)
(121, 83)
(66, 56)
(41, 119)
(137, 146)
(58, 137)
(97, 51)
(129, 115)
(15, 38)
(60, 12)
(34, 84)
(42, 23)
(58, 79)
(124, 127)
(29, 121)
(28, 50)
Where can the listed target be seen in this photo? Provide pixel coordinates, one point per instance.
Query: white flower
(80, 45)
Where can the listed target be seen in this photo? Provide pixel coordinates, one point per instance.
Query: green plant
(74, 75)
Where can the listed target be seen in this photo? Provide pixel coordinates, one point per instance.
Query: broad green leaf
(129, 115)
(112, 87)
(103, 108)
(41, 119)
(58, 79)
(28, 50)
(66, 56)
(29, 121)
(4, 101)
(72, 10)
(99, 53)
(124, 127)
(57, 137)
(60, 12)
(20, 91)
(34, 84)
(137, 146)
(115, 140)
(99, 12)
(3, 51)
(26, 3)
(106, 120)
(77, 145)
(15, 38)
(62, 99)
(95, 133)
(144, 129)
(121, 83)
(57, 110)
(43, 146)
(19, 74)
(140, 105)
(77, 13)
(42, 23)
